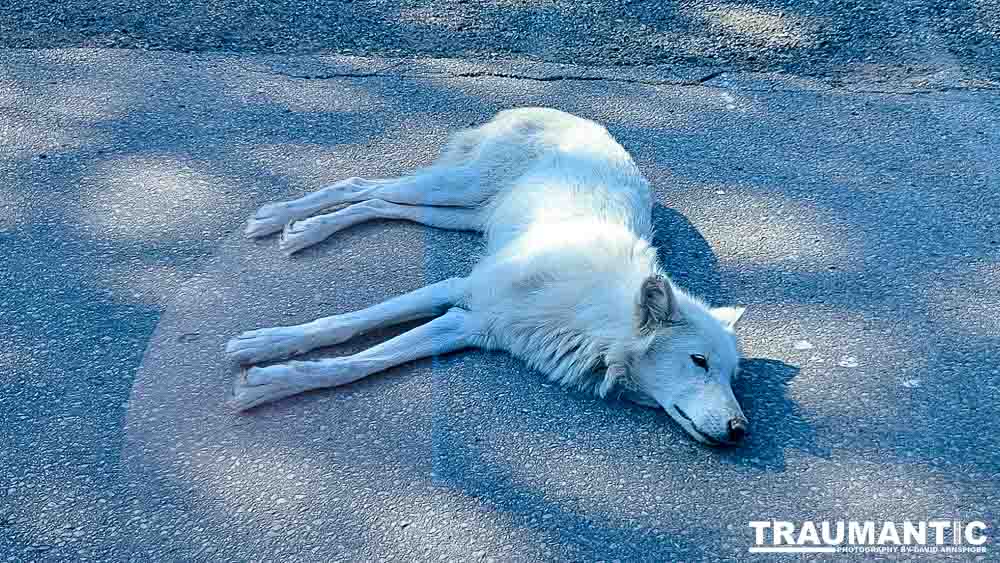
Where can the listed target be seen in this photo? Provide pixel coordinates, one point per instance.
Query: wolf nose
(737, 429)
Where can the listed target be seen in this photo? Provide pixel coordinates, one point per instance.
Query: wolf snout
(737, 430)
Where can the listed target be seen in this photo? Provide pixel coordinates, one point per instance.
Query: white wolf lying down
(570, 284)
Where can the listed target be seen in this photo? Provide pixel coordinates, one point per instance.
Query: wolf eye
(700, 361)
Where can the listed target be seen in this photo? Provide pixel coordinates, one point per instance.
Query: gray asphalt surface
(856, 210)
(812, 37)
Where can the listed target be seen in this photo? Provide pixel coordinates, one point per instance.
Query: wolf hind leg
(450, 186)
(298, 235)
(273, 217)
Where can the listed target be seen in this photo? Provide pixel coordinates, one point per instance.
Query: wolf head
(688, 361)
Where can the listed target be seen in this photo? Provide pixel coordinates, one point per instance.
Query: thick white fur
(567, 216)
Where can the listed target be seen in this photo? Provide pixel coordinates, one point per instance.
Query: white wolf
(570, 283)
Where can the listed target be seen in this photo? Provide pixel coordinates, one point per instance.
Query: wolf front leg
(284, 341)
(455, 330)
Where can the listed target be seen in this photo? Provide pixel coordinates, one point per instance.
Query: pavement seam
(704, 80)
(330, 75)
(548, 72)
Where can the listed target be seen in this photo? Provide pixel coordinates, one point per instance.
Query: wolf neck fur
(576, 284)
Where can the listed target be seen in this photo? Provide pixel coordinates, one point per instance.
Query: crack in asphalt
(578, 78)
(924, 91)
(486, 74)
(569, 77)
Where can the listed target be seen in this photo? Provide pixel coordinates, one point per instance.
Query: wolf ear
(729, 316)
(657, 304)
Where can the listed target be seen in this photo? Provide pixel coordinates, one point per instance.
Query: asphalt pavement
(800, 36)
(853, 210)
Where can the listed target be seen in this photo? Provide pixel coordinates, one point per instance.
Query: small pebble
(848, 362)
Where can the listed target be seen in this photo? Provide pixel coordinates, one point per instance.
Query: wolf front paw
(269, 219)
(260, 345)
(298, 235)
(260, 385)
